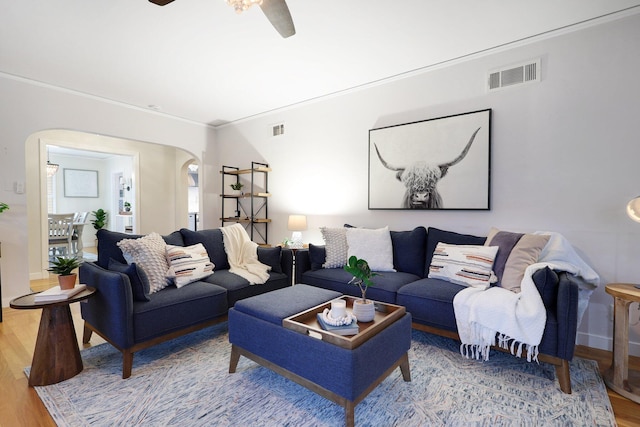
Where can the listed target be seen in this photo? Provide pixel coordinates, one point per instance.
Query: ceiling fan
(276, 11)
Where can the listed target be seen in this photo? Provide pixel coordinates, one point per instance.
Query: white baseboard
(604, 343)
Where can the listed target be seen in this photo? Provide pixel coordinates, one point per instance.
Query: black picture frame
(451, 155)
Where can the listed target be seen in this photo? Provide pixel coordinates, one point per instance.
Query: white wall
(564, 152)
(28, 109)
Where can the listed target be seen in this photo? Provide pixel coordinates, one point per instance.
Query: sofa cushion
(517, 251)
(149, 252)
(188, 264)
(213, 243)
(336, 247)
(546, 280)
(467, 265)
(271, 257)
(108, 245)
(317, 256)
(239, 288)
(435, 235)
(430, 302)
(137, 278)
(384, 286)
(372, 245)
(173, 309)
(409, 250)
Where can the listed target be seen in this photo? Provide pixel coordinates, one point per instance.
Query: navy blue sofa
(430, 301)
(131, 322)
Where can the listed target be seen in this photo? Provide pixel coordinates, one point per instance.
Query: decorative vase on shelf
(364, 311)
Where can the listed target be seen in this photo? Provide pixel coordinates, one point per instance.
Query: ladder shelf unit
(248, 208)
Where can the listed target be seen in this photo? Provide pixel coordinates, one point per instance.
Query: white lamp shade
(297, 222)
(633, 209)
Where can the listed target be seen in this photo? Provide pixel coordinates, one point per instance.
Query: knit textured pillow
(335, 240)
(466, 265)
(374, 246)
(188, 264)
(149, 253)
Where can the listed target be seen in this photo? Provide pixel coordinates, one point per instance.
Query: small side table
(56, 356)
(619, 378)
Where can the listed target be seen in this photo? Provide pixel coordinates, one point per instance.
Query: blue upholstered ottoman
(341, 375)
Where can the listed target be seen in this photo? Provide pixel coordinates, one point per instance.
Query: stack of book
(350, 329)
(57, 294)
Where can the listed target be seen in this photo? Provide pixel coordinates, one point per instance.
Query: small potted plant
(100, 219)
(63, 267)
(3, 207)
(236, 189)
(127, 207)
(359, 268)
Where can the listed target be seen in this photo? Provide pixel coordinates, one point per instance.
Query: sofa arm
(110, 310)
(303, 263)
(286, 262)
(567, 314)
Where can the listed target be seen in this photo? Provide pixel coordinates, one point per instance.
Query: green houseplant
(237, 188)
(63, 267)
(100, 220)
(3, 207)
(359, 268)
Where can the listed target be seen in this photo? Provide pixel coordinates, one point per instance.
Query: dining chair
(60, 233)
(79, 221)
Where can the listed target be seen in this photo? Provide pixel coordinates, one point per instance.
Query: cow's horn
(445, 166)
(385, 164)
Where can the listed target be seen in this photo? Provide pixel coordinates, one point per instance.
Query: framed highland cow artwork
(442, 163)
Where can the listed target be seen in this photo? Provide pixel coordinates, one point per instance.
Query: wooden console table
(619, 378)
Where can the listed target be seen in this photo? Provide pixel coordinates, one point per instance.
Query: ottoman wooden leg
(404, 367)
(233, 361)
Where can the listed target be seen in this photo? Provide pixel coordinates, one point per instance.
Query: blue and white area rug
(185, 382)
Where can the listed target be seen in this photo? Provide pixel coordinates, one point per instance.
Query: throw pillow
(409, 250)
(374, 246)
(517, 252)
(188, 264)
(335, 240)
(467, 265)
(435, 235)
(317, 256)
(137, 277)
(149, 253)
(213, 242)
(271, 257)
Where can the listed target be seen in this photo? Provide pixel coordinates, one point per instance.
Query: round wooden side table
(619, 378)
(56, 356)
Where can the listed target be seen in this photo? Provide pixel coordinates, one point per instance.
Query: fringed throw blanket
(519, 318)
(242, 254)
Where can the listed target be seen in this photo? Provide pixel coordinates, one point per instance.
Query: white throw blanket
(242, 254)
(521, 317)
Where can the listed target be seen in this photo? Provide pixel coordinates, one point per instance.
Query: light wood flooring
(20, 405)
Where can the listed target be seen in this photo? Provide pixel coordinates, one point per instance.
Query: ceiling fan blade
(161, 2)
(278, 14)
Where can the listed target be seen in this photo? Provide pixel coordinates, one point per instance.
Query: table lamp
(633, 209)
(297, 224)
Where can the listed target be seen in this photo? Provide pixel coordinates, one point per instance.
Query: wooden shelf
(245, 195)
(245, 171)
(246, 220)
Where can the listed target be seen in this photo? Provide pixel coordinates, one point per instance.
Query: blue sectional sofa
(131, 320)
(430, 301)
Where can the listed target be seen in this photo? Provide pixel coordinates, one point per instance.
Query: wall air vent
(526, 72)
(277, 130)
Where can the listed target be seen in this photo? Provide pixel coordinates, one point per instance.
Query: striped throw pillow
(466, 265)
(188, 264)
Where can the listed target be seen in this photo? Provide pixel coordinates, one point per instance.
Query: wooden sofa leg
(86, 334)
(562, 372)
(127, 363)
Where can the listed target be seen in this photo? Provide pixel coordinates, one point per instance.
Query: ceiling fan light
(242, 5)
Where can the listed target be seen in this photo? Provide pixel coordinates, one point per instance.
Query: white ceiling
(199, 60)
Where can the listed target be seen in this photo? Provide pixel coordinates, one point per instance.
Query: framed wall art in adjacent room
(441, 163)
(80, 183)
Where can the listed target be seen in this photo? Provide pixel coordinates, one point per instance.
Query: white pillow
(335, 242)
(188, 264)
(467, 265)
(149, 253)
(374, 246)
